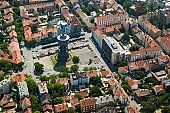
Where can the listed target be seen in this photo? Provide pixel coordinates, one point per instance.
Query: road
(29, 62)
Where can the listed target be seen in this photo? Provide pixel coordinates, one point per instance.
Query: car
(95, 56)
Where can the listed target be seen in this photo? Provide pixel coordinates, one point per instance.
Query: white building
(42, 88)
(79, 78)
(103, 100)
(23, 90)
(5, 86)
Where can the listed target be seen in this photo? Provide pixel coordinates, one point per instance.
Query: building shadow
(59, 65)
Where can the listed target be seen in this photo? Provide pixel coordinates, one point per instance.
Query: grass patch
(69, 61)
(52, 57)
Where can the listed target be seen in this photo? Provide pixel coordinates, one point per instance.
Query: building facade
(5, 87)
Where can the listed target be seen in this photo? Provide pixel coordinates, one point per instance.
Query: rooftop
(63, 81)
(132, 109)
(61, 107)
(83, 93)
(20, 77)
(91, 73)
(87, 102)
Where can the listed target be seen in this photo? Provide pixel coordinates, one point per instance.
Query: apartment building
(98, 33)
(42, 86)
(8, 17)
(88, 105)
(23, 90)
(138, 55)
(152, 30)
(59, 108)
(164, 42)
(114, 51)
(102, 101)
(164, 16)
(5, 87)
(79, 78)
(111, 19)
(74, 26)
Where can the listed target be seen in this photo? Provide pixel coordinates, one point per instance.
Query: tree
(166, 109)
(2, 37)
(18, 67)
(86, 69)
(65, 69)
(4, 47)
(5, 66)
(58, 100)
(1, 76)
(79, 97)
(63, 75)
(122, 63)
(35, 13)
(70, 110)
(92, 68)
(32, 86)
(34, 28)
(134, 48)
(126, 37)
(44, 78)
(51, 17)
(38, 67)
(96, 80)
(74, 68)
(95, 91)
(139, 75)
(148, 107)
(110, 91)
(34, 103)
(127, 4)
(76, 59)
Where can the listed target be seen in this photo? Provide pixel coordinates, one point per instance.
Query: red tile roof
(131, 82)
(159, 88)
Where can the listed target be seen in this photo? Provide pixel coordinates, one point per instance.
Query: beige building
(164, 42)
(88, 105)
(111, 19)
(114, 50)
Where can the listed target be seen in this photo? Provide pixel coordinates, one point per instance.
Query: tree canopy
(38, 67)
(134, 48)
(126, 37)
(34, 103)
(76, 59)
(32, 86)
(96, 80)
(95, 91)
(74, 68)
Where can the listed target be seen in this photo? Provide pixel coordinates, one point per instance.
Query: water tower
(63, 41)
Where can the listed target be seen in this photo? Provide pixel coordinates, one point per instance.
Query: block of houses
(60, 107)
(45, 99)
(131, 109)
(141, 94)
(111, 19)
(112, 81)
(71, 99)
(88, 105)
(19, 77)
(22, 90)
(119, 94)
(5, 87)
(25, 103)
(47, 108)
(158, 88)
(42, 86)
(79, 78)
(164, 43)
(133, 84)
(64, 81)
(105, 73)
(92, 73)
(102, 101)
(82, 93)
(152, 30)
(6, 103)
